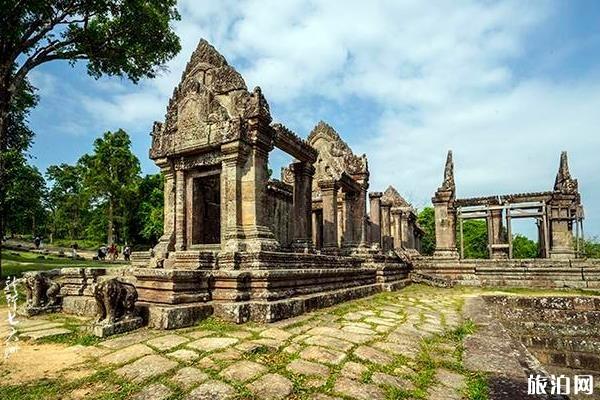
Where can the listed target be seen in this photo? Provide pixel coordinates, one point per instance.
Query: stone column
(386, 228)
(496, 237)
(302, 214)
(562, 244)
(169, 203)
(361, 218)
(349, 215)
(397, 232)
(234, 155)
(375, 214)
(180, 210)
(257, 235)
(330, 206)
(445, 226)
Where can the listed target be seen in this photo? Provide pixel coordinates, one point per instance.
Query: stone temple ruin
(244, 247)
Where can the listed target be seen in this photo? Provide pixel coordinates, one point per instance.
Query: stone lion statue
(115, 300)
(41, 290)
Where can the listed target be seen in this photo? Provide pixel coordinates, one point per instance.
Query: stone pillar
(386, 228)
(445, 226)
(562, 244)
(169, 203)
(445, 214)
(361, 235)
(349, 218)
(397, 233)
(375, 214)
(257, 235)
(330, 206)
(234, 155)
(496, 236)
(180, 227)
(302, 214)
(406, 231)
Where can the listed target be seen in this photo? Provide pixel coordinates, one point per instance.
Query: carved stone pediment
(210, 106)
(334, 156)
(393, 198)
(564, 183)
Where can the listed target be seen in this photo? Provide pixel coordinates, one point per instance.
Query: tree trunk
(110, 222)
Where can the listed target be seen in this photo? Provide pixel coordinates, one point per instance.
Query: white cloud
(438, 75)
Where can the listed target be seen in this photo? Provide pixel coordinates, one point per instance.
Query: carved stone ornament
(564, 183)
(448, 183)
(210, 106)
(200, 160)
(43, 294)
(115, 301)
(393, 198)
(334, 156)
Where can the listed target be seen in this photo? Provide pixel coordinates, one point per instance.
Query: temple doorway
(204, 212)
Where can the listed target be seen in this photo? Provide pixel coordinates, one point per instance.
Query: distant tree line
(100, 199)
(475, 238)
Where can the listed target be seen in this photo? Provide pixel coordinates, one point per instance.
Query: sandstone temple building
(245, 247)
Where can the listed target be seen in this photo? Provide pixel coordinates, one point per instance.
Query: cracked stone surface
(357, 350)
(210, 344)
(167, 342)
(146, 367)
(271, 387)
(243, 371)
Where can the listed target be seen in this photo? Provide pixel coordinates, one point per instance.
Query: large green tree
(24, 199)
(67, 200)
(111, 175)
(131, 38)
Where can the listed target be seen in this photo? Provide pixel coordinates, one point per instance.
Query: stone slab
(127, 354)
(189, 376)
(156, 391)
(212, 343)
(184, 355)
(125, 325)
(212, 390)
(46, 333)
(322, 354)
(243, 371)
(357, 390)
(167, 342)
(146, 367)
(271, 387)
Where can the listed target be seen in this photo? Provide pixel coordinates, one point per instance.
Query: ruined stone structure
(557, 214)
(244, 247)
(236, 243)
(559, 217)
(393, 223)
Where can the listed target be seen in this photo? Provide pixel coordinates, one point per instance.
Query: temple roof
(393, 198)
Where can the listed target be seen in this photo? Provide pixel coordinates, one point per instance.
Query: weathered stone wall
(279, 211)
(539, 273)
(560, 331)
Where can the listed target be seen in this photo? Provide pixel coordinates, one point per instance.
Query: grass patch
(217, 325)
(477, 388)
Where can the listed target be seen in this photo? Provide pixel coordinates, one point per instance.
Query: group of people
(112, 252)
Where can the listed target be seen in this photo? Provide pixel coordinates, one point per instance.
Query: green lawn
(14, 263)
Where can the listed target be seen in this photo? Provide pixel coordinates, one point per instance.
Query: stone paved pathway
(404, 344)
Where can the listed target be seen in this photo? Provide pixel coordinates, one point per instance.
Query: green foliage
(110, 176)
(475, 237)
(426, 219)
(150, 208)
(102, 198)
(592, 247)
(23, 197)
(524, 247)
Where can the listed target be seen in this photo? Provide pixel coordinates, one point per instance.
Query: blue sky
(506, 85)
